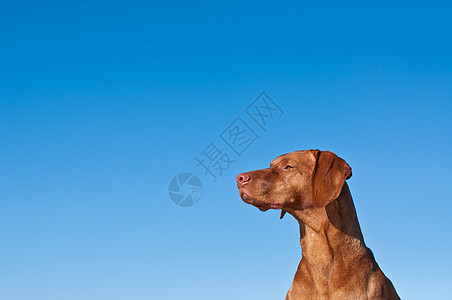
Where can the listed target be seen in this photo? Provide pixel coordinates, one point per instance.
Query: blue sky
(103, 103)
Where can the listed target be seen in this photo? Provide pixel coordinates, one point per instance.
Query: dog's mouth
(263, 206)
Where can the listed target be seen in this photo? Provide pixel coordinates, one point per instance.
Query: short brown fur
(310, 185)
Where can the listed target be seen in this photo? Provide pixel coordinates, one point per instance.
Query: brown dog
(310, 185)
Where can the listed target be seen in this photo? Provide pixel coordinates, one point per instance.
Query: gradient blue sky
(102, 103)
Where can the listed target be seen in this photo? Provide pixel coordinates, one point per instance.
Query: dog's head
(295, 181)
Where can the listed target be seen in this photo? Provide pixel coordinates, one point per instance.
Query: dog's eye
(288, 167)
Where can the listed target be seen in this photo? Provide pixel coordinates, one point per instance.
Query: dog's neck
(331, 235)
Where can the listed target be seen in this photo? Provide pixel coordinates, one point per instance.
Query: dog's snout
(243, 178)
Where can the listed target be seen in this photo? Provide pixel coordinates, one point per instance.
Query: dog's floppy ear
(330, 173)
(283, 212)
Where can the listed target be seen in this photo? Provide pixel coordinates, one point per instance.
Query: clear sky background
(102, 103)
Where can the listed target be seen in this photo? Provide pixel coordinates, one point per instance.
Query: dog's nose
(243, 178)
